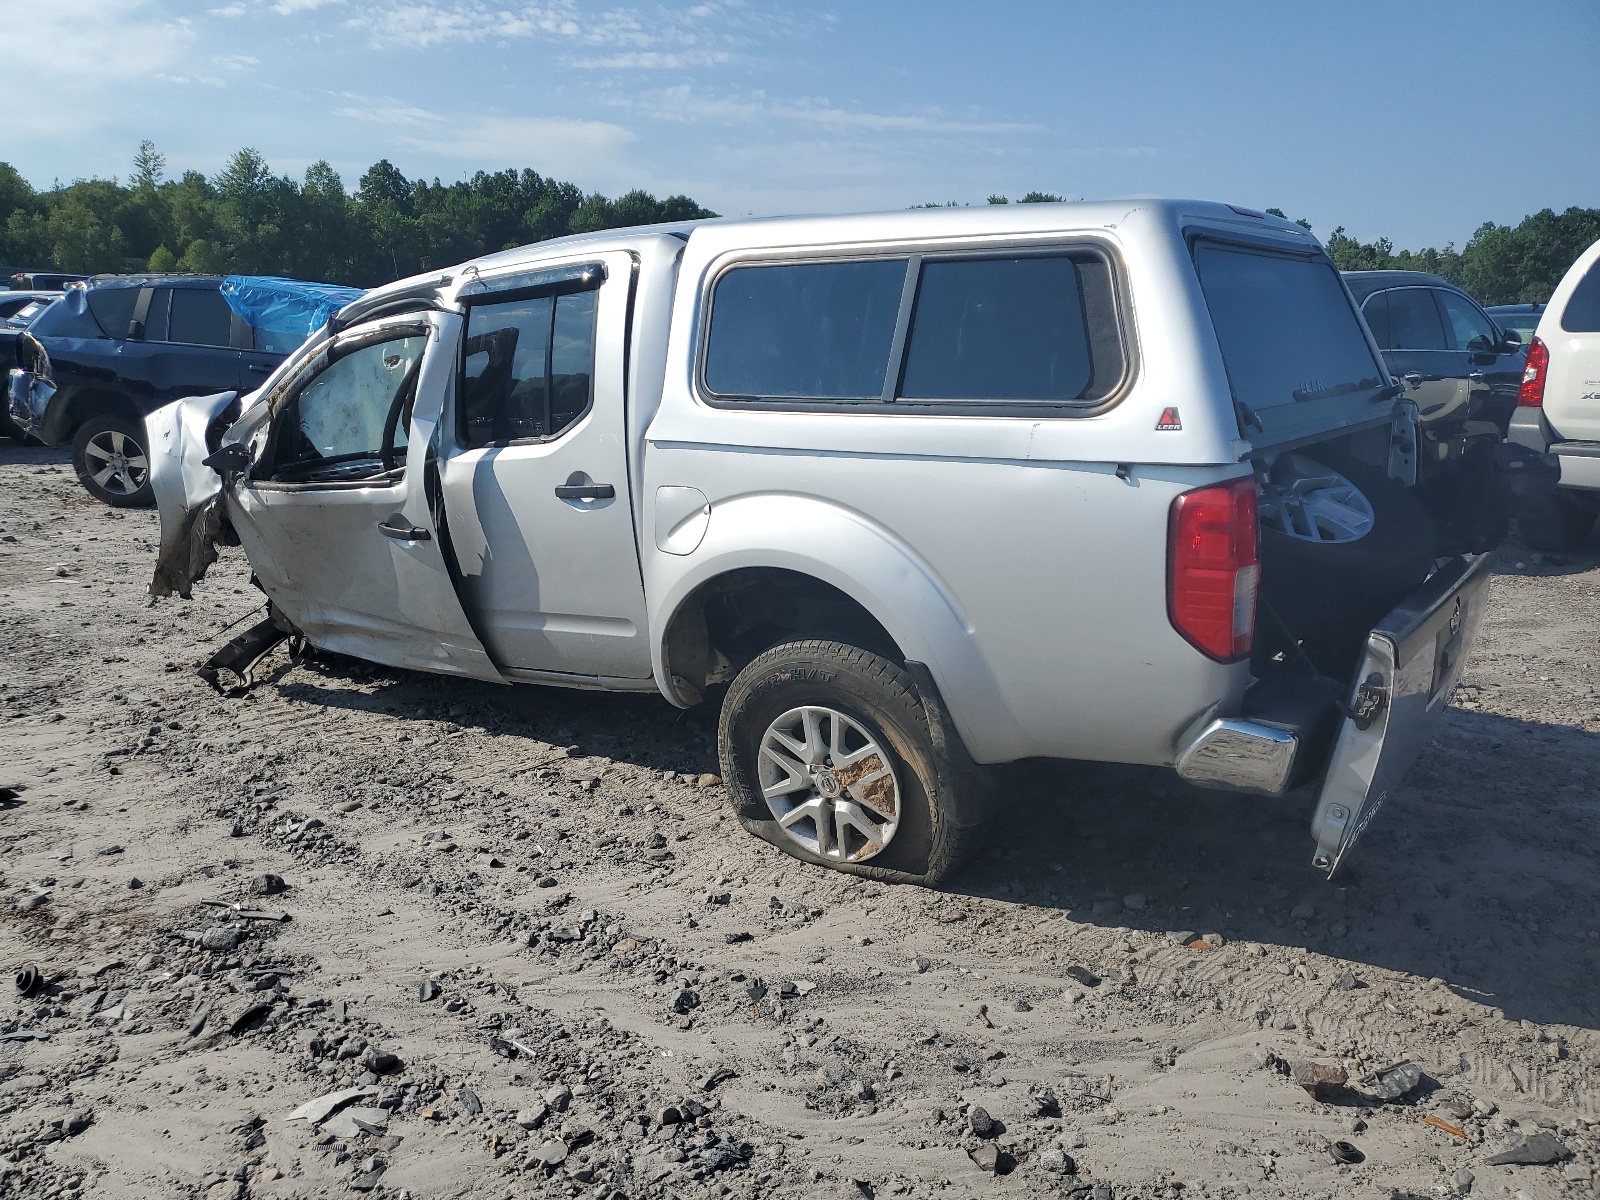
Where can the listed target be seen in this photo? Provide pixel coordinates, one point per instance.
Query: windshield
(1289, 338)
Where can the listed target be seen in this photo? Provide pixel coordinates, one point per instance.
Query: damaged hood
(186, 490)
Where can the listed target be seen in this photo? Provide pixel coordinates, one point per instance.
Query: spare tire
(1341, 545)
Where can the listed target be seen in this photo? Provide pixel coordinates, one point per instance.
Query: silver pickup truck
(908, 493)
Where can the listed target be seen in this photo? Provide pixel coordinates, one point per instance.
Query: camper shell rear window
(1297, 357)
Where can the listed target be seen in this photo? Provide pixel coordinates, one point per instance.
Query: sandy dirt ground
(521, 924)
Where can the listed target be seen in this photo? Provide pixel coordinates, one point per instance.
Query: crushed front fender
(188, 493)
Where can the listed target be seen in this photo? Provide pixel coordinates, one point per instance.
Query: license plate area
(1450, 645)
(1412, 662)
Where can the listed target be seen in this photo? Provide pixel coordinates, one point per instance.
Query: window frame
(1196, 236)
(889, 402)
(234, 322)
(591, 280)
(283, 399)
(1438, 309)
(1497, 335)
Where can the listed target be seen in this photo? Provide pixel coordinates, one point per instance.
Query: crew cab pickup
(909, 493)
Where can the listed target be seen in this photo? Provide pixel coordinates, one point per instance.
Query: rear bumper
(1408, 669)
(1580, 464)
(1241, 756)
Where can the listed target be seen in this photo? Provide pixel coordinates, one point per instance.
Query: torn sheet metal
(187, 491)
(29, 386)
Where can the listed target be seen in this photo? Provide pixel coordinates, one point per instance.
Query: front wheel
(828, 754)
(112, 460)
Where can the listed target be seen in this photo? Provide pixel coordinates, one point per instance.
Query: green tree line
(248, 220)
(1501, 264)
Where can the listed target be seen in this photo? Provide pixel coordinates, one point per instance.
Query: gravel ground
(522, 921)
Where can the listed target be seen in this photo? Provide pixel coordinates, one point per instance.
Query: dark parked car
(1520, 319)
(44, 281)
(1461, 370)
(1452, 357)
(91, 367)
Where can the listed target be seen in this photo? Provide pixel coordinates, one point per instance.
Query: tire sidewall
(820, 673)
(145, 496)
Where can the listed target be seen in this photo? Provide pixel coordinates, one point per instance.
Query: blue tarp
(284, 312)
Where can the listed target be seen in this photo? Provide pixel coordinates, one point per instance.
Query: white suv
(1558, 411)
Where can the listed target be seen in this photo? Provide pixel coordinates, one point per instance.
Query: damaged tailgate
(1411, 664)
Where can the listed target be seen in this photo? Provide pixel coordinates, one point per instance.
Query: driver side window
(349, 420)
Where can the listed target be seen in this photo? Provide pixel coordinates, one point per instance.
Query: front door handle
(259, 368)
(591, 491)
(1412, 378)
(396, 528)
(1476, 376)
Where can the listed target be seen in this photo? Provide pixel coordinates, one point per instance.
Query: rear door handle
(1476, 375)
(592, 491)
(1412, 378)
(259, 368)
(396, 528)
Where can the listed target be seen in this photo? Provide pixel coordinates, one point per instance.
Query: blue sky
(1416, 120)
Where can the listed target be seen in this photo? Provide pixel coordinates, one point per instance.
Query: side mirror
(232, 459)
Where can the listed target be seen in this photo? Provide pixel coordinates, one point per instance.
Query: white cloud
(237, 62)
(105, 48)
(232, 10)
(94, 41)
(684, 103)
(391, 114)
(654, 60)
(656, 38)
(207, 80)
(433, 22)
(591, 151)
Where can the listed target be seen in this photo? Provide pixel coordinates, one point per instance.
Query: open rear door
(335, 512)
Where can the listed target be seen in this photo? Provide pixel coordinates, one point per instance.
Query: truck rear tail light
(1531, 393)
(1213, 569)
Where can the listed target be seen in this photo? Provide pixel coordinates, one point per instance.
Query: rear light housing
(1531, 393)
(1213, 569)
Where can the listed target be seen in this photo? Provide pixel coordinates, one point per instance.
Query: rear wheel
(1562, 522)
(827, 753)
(112, 460)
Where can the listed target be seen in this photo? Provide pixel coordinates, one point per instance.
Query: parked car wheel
(1562, 522)
(1341, 544)
(113, 462)
(827, 754)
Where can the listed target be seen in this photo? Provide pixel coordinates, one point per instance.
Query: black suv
(1456, 363)
(120, 348)
(1463, 372)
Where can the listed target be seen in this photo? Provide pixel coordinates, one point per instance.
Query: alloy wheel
(829, 784)
(1319, 508)
(116, 462)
